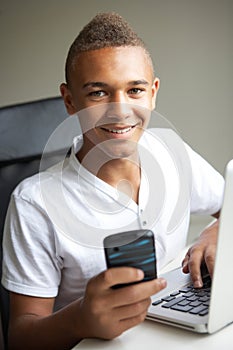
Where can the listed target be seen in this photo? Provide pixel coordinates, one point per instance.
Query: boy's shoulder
(30, 188)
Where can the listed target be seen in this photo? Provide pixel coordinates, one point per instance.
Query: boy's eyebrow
(102, 84)
(139, 82)
(94, 84)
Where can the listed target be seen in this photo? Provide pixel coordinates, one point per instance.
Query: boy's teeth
(117, 131)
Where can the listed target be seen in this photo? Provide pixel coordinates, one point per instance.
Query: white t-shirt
(57, 219)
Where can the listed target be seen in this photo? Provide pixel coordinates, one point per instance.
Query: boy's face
(119, 84)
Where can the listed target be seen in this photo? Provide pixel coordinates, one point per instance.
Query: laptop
(209, 309)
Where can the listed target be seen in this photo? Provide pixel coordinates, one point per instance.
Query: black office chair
(24, 131)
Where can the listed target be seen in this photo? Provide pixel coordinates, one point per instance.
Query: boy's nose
(118, 111)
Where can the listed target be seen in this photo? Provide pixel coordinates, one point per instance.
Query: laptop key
(184, 303)
(173, 302)
(174, 294)
(200, 292)
(193, 298)
(204, 298)
(195, 303)
(198, 309)
(178, 307)
(204, 312)
(168, 298)
(184, 290)
(157, 302)
(189, 294)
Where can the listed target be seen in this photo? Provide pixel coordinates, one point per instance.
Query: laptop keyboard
(189, 299)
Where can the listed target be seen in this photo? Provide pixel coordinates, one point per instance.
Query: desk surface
(152, 335)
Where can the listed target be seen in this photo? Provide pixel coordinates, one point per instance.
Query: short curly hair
(104, 30)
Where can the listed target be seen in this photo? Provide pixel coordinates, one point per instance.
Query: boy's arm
(104, 312)
(33, 325)
(203, 250)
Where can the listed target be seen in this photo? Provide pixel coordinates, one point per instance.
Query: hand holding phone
(133, 249)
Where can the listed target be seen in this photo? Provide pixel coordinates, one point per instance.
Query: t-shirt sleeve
(30, 263)
(207, 186)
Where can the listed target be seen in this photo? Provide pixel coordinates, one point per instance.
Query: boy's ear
(68, 100)
(155, 89)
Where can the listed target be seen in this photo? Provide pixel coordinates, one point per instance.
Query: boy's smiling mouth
(118, 130)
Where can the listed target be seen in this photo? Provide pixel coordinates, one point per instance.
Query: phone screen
(139, 251)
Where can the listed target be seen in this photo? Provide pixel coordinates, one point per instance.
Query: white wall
(191, 44)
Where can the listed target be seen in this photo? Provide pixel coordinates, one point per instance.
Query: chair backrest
(24, 131)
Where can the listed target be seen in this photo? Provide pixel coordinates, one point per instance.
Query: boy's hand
(203, 251)
(106, 312)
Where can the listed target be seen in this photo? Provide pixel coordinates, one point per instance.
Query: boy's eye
(98, 93)
(135, 91)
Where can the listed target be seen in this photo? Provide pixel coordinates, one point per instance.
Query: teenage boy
(60, 290)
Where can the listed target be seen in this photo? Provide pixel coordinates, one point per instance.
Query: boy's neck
(121, 173)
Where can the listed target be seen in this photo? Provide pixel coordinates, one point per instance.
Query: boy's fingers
(118, 275)
(192, 264)
(136, 293)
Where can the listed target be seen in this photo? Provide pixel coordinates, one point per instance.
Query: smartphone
(132, 248)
